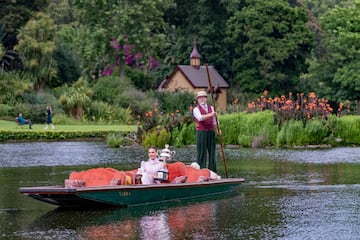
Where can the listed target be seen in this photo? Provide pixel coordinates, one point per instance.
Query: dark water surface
(289, 194)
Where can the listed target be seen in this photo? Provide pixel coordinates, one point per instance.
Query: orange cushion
(99, 176)
(176, 169)
(193, 174)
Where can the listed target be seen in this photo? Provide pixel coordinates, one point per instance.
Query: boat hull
(128, 195)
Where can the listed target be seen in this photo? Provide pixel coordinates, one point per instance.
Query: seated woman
(148, 169)
(21, 120)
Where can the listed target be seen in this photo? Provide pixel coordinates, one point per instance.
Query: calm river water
(289, 194)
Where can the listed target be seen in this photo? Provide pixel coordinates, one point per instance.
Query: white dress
(148, 169)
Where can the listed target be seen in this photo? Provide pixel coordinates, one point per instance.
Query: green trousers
(206, 146)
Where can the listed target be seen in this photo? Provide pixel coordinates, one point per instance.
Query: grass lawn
(13, 126)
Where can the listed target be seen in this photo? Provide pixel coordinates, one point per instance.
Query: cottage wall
(179, 83)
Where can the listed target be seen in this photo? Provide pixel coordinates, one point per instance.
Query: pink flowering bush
(135, 60)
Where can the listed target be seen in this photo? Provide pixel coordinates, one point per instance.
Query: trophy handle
(158, 153)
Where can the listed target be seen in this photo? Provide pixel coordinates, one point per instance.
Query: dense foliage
(270, 42)
(259, 129)
(103, 60)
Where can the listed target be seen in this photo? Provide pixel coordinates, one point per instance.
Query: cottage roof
(198, 78)
(196, 74)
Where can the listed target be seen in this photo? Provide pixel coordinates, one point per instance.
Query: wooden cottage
(194, 78)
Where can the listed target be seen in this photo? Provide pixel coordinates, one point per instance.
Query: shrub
(185, 135)
(236, 128)
(64, 120)
(5, 110)
(27, 110)
(346, 129)
(141, 80)
(74, 99)
(156, 137)
(13, 85)
(103, 112)
(316, 132)
(244, 140)
(164, 137)
(107, 88)
(155, 119)
(175, 101)
(244, 129)
(121, 116)
(114, 140)
(231, 126)
(291, 134)
(294, 134)
(139, 102)
(120, 139)
(281, 139)
(120, 92)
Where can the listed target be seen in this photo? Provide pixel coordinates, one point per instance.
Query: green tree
(14, 14)
(138, 24)
(7, 57)
(337, 72)
(319, 7)
(270, 43)
(207, 20)
(60, 11)
(36, 47)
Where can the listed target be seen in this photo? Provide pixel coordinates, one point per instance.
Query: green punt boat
(128, 195)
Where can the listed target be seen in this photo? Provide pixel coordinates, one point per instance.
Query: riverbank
(255, 130)
(11, 131)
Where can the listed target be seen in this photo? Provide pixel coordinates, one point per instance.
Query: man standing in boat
(205, 120)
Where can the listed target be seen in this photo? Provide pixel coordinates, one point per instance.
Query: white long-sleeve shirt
(197, 114)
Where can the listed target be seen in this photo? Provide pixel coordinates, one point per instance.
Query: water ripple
(322, 156)
(75, 153)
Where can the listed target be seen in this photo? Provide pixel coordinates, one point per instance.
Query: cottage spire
(195, 56)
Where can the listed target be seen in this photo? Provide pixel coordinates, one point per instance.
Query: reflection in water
(186, 222)
(126, 229)
(154, 227)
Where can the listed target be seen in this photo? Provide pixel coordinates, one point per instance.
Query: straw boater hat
(201, 94)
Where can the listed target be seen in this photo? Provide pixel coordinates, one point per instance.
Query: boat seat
(101, 177)
(197, 175)
(176, 169)
(178, 173)
(179, 169)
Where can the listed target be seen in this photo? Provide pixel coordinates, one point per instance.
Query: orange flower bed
(299, 108)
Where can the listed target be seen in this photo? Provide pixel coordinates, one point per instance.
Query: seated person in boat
(149, 168)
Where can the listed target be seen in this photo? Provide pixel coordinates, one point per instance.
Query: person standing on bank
(49, 118)
(205, 120)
